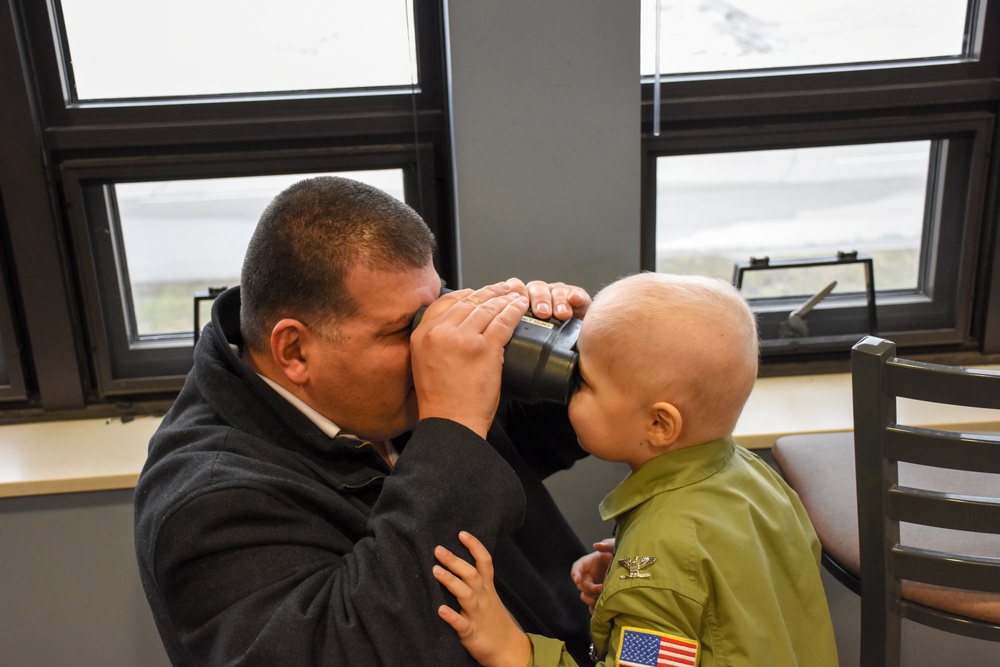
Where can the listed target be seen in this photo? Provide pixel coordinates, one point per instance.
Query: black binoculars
(539, 362)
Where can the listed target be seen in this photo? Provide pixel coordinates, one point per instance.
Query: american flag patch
(646, 648)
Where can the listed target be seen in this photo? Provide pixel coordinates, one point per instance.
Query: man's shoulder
(186, 458)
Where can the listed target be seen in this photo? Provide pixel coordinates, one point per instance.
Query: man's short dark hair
(307, 240)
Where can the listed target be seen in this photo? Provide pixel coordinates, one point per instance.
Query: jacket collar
(225, 342)
(673, 470)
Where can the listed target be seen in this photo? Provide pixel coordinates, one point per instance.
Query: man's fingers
(557, 300)
(540, 294)
(499, 312)
(579, 301)
(501, 327)
(560, 304)
(444, 303)
(484, 295)
(477, 310)
(454, 307)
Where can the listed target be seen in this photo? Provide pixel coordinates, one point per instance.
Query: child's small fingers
(484, 561)
(465, 595)
(453, 584)
(458, 566)
(606, 546)
(458, 623)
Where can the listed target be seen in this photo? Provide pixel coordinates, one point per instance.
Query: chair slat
(970, 387)
(944, 510)
(978, 452)
(944, 569)
(946, 622)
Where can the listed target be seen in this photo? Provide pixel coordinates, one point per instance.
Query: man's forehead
(389, 297)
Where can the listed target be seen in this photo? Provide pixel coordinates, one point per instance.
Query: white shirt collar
(324, 424)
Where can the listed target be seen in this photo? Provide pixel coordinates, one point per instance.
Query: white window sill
(71, 456)
(822, 403)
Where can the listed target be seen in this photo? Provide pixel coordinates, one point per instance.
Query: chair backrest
(954, 486)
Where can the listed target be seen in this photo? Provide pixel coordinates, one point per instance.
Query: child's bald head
(687, 340)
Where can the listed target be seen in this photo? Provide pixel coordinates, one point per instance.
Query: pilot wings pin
(634, 564)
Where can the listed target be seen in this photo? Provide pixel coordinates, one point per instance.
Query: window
(721, 208)
(118, 49)
(798, 131)
(179, 237)
(740, 35)
(147, 144)
(151, 246)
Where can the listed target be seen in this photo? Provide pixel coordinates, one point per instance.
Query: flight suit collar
(673, 470)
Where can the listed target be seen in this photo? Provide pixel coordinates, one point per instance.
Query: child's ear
(665, 425)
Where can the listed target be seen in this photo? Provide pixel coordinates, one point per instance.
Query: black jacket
(261, 541)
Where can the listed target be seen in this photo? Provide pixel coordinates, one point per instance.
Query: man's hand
(485, 626)
(588, 572)
(557, 300)
(457, 353)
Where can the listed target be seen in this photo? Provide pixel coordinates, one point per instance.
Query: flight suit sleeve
(548, 652)
(634, 617)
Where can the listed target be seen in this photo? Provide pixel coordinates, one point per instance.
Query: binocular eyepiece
(539, 362)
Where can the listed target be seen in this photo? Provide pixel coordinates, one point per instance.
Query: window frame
(70, 145)
(953, 98)
(13, 388)
(126, 363)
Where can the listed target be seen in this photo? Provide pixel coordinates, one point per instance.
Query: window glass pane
(716, 210)
(128, 49)
(721, 35)
(182, 237)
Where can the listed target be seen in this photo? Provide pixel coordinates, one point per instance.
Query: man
(318, 451)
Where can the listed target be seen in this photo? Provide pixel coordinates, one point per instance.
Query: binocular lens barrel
(539, 362)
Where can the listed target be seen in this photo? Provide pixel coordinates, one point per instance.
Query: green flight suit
(736, 564)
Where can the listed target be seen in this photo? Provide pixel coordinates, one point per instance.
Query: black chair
(909, 516)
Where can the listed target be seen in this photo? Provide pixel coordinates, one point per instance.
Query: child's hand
(588, 573)
(485, 627)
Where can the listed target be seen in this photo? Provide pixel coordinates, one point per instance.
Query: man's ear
(665, 424)
(288, 349)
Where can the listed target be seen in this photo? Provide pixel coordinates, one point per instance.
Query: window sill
(106, 454)
(72, 456)
(791, 404)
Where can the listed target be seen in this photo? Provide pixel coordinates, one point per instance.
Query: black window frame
(13, 387)
(954, 102)
(88, 362)
(125, 362)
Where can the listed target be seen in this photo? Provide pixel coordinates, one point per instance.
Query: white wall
(71, 593)
(545, 107)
